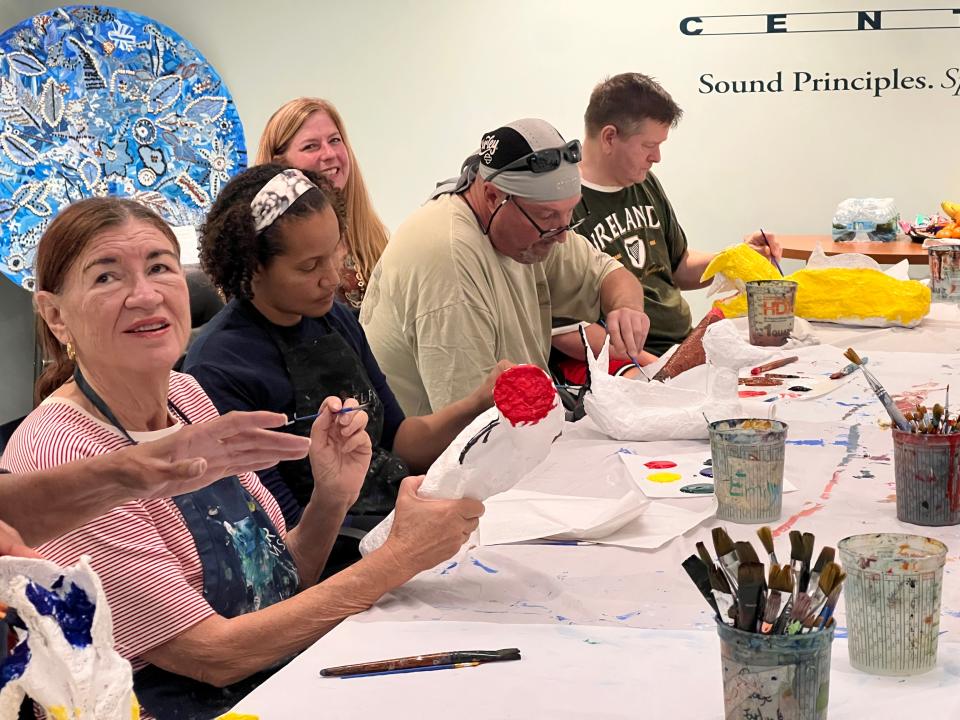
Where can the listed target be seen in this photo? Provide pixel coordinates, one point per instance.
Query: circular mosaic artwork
(101, 101)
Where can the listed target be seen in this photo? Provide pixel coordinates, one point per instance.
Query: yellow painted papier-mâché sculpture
(848, 295)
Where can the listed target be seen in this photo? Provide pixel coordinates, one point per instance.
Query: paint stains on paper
(664, 477)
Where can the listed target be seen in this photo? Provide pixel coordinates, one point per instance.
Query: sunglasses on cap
(541, 161)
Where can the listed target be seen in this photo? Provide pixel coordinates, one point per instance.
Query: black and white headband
(277, 196)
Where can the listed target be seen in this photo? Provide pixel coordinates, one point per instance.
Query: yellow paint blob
(833, 294)
(58, 712)
(664, 477)
(238, 716)
(134, 707)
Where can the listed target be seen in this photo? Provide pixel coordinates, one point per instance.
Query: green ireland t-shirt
(638, 227)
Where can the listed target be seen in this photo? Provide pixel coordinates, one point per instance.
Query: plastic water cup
(892, 598)
(775, 677)
(927, 470)
(944, 273)
(748, 469)
(770, 305)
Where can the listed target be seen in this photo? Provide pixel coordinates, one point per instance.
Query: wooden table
(799, 247)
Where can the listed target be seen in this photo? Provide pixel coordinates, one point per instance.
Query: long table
(611, 632)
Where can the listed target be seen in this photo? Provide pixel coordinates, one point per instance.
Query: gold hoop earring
(71, 353)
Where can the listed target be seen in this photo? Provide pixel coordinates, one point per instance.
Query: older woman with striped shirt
(209, 592)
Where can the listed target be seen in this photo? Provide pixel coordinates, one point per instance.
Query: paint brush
(780, 582)
(892, 410)
(750, 586)
(808, 541)
(745, 552)
(772, 258)
(705, 555)
(773, 365)
(341, 411)
(796, 560)
(700, 574)
(846, 370)
(722, 592)
(825, 558)
(825, 583)
(456, 658)
(727, 556)
(639, 369)
(766, 539)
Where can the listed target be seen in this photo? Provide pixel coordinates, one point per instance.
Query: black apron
(246, 567)
(325, 366)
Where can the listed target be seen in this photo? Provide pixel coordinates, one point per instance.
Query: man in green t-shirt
(627, 214)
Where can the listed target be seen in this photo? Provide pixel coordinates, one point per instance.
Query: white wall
(418, 82)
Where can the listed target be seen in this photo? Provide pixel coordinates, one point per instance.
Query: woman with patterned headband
(209, 592)
(273, 243)
(308, 133)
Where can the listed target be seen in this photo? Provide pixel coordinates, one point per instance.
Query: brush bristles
(827, 554)
(722, 542)
(766, 538)
(746, 553)
(852, 356)
(796, 545)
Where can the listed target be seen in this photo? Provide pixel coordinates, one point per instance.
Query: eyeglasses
(552, 232)
(541, 161)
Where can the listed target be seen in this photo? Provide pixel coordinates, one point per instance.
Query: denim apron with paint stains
(318, 368)
(246, 567)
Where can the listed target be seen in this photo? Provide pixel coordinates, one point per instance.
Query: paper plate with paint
(64, 658)
(631, 409)
(495, 451)
(101, 101)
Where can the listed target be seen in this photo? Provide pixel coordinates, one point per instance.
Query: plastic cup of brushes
(892, 596)
(748, 469)
(770, 311)
(780, 677)
(927, 470)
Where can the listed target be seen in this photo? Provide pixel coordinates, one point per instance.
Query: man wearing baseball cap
(475, 275)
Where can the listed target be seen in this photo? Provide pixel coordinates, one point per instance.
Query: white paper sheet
(568, 672)
(519, 515)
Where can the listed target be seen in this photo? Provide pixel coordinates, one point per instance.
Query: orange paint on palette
(664, 477)
(660, 464)
(751, 393)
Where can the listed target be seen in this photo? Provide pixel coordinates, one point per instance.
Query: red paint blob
(660, 464)
(751, 393)
(524, 394)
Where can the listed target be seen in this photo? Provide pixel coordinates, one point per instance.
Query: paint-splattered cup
(927, 469)
(775, 677)
(748, 469)
(770, 306)
(892, 598)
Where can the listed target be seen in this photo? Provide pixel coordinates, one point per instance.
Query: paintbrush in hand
(700, 574)
(891, 407)
(766, 539)
(770, 250)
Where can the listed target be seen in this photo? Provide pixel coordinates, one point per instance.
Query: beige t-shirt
(443, 307)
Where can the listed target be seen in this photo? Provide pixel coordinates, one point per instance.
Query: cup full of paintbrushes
(748, 469)
(893, 590)
(775, 624)
(926, 463)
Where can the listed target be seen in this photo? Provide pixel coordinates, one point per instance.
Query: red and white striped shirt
(142, 550)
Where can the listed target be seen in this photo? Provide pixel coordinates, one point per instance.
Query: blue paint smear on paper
(449, 567)
(952, 613)
(818, 443)
(72, 610)
(627, 616)
(840, 632)
(483, 567)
